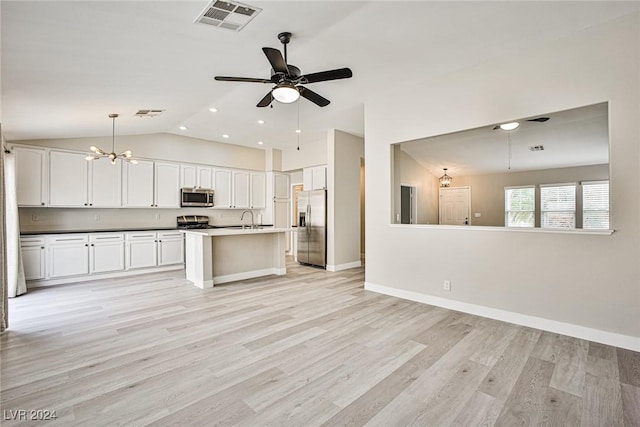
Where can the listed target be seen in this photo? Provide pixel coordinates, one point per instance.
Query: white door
(141, 254)
(241, 186)
(167, 185)
(33, 260)
(106, 184)
(68, 179)
(455, 205)
(31, 175)
(138, 184)
(281, 186)
(205, 177)
(222, 194)
(170, 251)
(188, 178)
(68, 260)
(258, 190)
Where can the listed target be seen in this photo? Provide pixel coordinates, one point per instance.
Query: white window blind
(519, 206)
(558, 206)
(595, 205)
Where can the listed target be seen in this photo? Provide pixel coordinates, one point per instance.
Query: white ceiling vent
(231, 15)
(148, 113)
(536, 148)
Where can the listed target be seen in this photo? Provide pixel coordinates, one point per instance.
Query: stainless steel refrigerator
(312, 227)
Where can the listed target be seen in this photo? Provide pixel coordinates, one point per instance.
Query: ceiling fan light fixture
(509, 126)
(286, 93)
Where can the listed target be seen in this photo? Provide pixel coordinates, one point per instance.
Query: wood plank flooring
(307, 349)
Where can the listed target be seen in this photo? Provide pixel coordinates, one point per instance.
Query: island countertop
(235, 231)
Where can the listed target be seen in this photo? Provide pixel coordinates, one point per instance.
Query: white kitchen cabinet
(314, 178)
(258, 190)
(222, 194)
(33, 257)
(241, 189)
(68, 179)
(188, 176)
(170, 248)
(31, 176)
(141, 250)
(167, 185)
(281, 186)
(106, 252)
(67, 255)
(205, 177)
(105, 184)
(138, 184)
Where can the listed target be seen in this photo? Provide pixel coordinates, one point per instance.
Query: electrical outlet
(447, 285)
(35, 217)
(96, 217)
(157, 216)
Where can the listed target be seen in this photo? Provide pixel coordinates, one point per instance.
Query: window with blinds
(558, 206)
(519, 206)
(595, 205)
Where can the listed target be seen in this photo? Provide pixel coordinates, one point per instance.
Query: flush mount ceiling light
(99, 153)
(260, 122)
(286, 93)
(182, 127)
(213, 110)
(225, 136)
(260, 142)
(445, 180)
(509, 126)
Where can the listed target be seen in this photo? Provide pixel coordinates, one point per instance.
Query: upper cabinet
(205, 177)
(315, 178)
(188, 177)
(31, 176)
(105, 184)
(281, 186)
(138, 184)
(222, 194)
(68, 179)
(241, 189)
(167, 185)
(258, 190)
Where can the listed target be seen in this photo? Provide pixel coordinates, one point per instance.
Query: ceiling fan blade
(241, 79)
(312, 96)
(323, 76)
(539, 119)
(276, 60)
(266, 101)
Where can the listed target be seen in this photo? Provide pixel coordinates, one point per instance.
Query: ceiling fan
(513, 125)
(288, 78)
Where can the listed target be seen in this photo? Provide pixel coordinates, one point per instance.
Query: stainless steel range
(192, 221)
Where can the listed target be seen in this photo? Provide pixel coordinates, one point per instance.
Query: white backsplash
(76, 219)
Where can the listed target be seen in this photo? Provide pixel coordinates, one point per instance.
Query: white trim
(248, 275)
(577, 331)
(99, 276)
(345, 266)
(509, 229)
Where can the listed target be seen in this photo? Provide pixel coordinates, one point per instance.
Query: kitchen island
(220, 255)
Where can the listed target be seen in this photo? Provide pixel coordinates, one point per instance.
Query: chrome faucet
(242, 217)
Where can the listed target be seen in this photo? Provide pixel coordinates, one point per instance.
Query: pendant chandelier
(99, 153)
(445, 180)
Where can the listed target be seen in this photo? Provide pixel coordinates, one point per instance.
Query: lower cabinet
(106, 253)
(33, 257)
(170, 248)
(153, 249)
(67, 255)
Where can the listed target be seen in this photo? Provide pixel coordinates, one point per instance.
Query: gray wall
(588, 283)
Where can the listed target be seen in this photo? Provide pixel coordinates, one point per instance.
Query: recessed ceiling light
(213, 110)
(260, 122)
(509, 126)
(182, 128)
(225, 136)
(260, 142)
(298, 130)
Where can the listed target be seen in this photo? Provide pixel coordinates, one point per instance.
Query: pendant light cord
(509, 150)
(298, 127)
(113, 136)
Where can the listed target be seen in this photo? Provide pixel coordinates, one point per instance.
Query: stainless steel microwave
(196, 197)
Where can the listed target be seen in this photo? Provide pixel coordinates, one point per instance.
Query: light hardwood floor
(309, 348)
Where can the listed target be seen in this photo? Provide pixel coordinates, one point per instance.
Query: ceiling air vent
(536, 148)
(230, 15)
(148, 113)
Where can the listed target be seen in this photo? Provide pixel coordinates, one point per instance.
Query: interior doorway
(408, 205)
(455, 206)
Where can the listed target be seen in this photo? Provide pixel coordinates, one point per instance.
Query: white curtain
(16, 284)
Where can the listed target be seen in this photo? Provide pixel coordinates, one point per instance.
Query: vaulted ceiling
(67, 65)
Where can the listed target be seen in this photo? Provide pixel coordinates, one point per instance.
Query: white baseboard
(346, 266)
(99, 276)
(248, 275)
(577, 331)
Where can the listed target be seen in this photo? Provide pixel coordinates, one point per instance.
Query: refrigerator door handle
(308, 223)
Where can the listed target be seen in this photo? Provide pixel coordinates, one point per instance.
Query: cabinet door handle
(85, 204)
(160, 241)
(90, 204)
(41, 247)
(42, 203)
(86, 245)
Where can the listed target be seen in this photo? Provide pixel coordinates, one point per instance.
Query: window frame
(575, 205)
(608, 210)
(507, 211)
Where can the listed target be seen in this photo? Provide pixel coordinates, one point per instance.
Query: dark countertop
(112, 230)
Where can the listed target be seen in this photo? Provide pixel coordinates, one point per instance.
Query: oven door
(191, 197)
